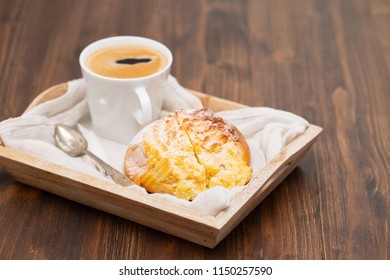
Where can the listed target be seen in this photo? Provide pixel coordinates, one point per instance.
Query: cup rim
(166, 51)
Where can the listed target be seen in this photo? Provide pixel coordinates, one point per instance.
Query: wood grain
(327, 61)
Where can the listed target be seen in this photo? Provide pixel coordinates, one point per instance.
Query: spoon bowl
(72, 142)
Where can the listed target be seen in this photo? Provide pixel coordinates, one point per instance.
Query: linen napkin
(267, 131)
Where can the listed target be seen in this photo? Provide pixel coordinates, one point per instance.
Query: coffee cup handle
(144, 115)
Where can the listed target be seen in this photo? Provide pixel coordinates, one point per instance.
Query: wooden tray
(159, 214)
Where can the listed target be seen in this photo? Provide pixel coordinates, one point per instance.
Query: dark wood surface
(328, 61)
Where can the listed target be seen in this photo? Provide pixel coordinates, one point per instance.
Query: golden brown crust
(185, 153)
(135, 162)
(204, 121)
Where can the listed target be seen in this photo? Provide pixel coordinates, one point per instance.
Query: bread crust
(185, 153)
(204, 121)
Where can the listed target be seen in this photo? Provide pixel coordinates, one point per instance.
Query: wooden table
(328, 61)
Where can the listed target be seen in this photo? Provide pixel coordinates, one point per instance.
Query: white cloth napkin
(267, 131)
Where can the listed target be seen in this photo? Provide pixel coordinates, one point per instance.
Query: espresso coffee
(126, 61)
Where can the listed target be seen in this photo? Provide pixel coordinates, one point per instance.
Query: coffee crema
(126, 61)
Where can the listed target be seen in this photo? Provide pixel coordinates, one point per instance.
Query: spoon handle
(111, 172)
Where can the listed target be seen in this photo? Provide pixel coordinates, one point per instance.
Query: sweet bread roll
(185, 153)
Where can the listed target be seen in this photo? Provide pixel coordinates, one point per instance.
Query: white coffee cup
(121, 107)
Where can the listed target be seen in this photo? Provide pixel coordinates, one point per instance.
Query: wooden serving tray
(153, 212)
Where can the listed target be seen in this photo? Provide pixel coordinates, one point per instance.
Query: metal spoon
(71, 141)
